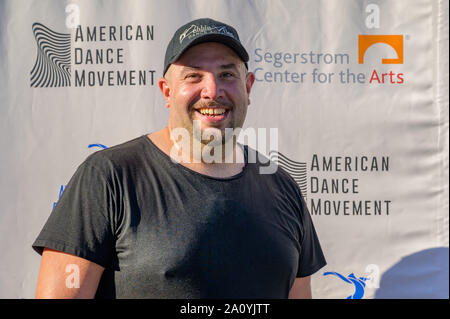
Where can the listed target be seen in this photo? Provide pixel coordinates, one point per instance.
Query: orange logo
(395, 41)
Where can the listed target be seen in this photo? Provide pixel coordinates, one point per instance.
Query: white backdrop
(340, 122)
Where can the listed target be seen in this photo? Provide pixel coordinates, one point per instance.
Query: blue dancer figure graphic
(351, 279)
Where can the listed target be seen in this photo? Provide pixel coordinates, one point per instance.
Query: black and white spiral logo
(296, 169)
(52, 66)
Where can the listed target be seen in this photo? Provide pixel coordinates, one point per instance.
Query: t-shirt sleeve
(80, 223)
(311, 256)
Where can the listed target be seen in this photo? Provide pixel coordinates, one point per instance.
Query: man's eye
(192, 76)
(227, 74)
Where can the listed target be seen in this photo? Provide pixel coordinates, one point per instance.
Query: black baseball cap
(199, 31)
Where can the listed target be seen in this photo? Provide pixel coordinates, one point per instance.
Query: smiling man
(133, 222)
(208, 86)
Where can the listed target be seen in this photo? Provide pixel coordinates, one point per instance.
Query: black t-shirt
(162, 230)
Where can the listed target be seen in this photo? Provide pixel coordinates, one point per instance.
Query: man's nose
(211, 88)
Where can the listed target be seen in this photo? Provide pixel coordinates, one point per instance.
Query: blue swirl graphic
(97, 145)
(61, 190)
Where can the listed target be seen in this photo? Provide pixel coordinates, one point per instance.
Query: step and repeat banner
(356, 91)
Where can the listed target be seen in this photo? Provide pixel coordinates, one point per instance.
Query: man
(135, 223)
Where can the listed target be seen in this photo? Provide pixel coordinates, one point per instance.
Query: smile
(212, 111)
(213, 115)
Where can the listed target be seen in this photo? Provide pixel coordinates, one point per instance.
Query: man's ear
(249, 80)
(163, 84)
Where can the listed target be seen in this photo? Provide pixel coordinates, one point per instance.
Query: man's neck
(221, 168)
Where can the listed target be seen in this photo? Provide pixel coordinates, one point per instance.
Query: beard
(214, 135)
(217, 142)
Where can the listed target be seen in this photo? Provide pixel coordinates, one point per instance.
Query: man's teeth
(215, 111)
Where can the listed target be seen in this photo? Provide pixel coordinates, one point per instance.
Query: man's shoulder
(268, 168)
(121, 155)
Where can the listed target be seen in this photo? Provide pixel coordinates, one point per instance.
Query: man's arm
(301, 289)
(64, 275)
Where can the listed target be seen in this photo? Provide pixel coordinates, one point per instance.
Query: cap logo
(196, 30)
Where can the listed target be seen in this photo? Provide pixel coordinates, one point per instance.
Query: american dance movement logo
(297, 170)
(331, 185)
(89, 55)
(52, 66)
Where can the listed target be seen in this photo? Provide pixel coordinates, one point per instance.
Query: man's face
(208, 83)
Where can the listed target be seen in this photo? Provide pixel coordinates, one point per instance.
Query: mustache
(201, 104)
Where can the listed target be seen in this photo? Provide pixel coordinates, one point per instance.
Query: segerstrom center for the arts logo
(89, 56)
(395, 42)
(307, 66)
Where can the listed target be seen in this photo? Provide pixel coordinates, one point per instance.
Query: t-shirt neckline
(187, 169)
